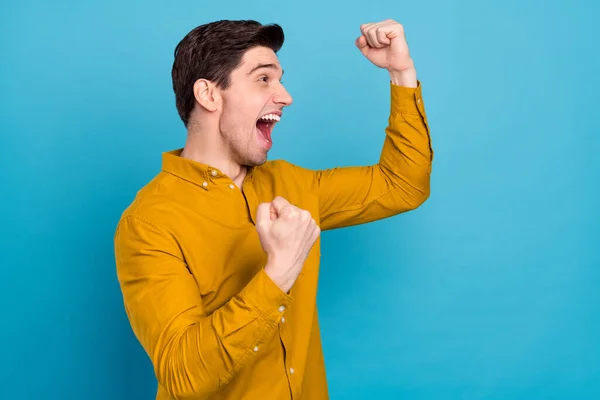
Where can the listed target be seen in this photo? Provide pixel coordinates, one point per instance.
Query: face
(252, 105)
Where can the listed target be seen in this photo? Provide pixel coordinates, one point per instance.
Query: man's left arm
(399, 182)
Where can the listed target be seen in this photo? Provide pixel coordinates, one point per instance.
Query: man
(218, 256)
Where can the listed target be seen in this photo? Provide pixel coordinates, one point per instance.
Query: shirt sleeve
(399, 182)
(193, 353)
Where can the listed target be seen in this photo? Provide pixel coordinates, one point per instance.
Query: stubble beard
(245, 152)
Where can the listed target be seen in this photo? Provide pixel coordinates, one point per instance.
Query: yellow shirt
(190, 264)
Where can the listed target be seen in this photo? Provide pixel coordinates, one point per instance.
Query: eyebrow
(270, 66)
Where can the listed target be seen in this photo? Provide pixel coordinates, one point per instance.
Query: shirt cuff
(406, 100)
(266, 297)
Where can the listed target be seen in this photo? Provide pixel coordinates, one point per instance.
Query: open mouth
(265, 126)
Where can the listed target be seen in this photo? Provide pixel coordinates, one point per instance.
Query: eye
(263, 78)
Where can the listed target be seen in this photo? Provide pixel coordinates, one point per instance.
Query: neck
(209, 150)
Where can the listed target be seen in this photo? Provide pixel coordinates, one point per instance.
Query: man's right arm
(193, 353)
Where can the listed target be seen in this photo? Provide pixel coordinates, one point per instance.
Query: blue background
(490, 290)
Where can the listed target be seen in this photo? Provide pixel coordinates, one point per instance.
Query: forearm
(406, 157)
(194, 360)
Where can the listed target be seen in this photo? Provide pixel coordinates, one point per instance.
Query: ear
(207, 94)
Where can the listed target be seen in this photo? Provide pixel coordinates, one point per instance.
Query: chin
(256, 161)
(260, 162)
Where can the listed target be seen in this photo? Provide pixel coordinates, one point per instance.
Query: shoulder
(154, 204)
(283, 169)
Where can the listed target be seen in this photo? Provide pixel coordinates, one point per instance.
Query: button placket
(206, 176)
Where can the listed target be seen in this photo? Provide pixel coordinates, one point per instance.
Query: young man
(218, 256)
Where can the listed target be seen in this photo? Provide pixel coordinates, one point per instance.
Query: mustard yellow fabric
(190, 263)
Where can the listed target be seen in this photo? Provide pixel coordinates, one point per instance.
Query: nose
(282, 97)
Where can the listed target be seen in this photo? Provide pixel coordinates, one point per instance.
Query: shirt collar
(189, 170)
(199, 174)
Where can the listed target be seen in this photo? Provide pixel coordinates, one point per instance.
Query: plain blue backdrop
(490, 290)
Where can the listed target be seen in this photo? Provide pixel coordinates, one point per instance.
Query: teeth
(271, 117)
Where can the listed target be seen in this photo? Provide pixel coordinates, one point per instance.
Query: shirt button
(205, 184)
(281, 308)
(231, 186)
(255, 349)
(213, 172)
(283, 320)
(292, 371)
(418, 100)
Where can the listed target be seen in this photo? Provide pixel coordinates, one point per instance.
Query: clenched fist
(384, 44)
(286, 234)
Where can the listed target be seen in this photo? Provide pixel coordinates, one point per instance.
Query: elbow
(420, 193)
(413, 186)
(182, 380)
(183, 391)
(185, 386)
(420, 199)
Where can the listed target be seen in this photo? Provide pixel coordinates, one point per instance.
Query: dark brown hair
(212, 51)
